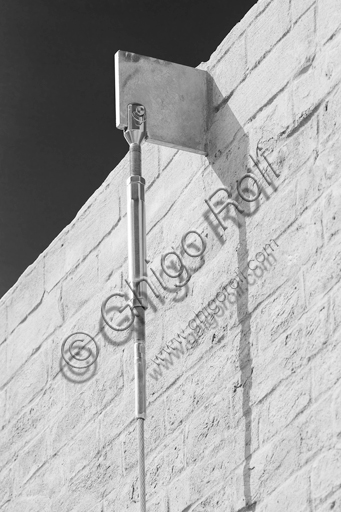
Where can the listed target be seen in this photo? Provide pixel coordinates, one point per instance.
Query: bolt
(140, 110)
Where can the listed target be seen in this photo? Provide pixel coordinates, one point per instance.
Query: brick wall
(243, 414)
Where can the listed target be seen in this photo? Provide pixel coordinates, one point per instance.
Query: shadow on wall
(230, 163)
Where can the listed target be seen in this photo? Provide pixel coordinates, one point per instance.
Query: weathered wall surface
(248, 416)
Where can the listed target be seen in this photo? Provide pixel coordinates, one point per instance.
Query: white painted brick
(256, 10)
(97, 479)
(34, 418)
(29, 504)
(330, 117)
(293, 494)
(316, 427)
(117, 416)
(26, 339)
(270, 370)
(76, 414)
(85, 321)
(336, 409)
(3, 321)
(80, 286)
(199, 388)
(316, 79)
(229, 71)
(130, 448)
(27, 383)
(112, 252)
(333, 501)
(174, 457)
(266, 30)
(124, 496)
(311, 184)
(166, 155)
(55, 266)
(83, 449)
(158, 504)
(6, 486)
(325, 475)
(306, 239)
(31, 459)
(330, 157)
(269, 77)
(72, 499)
(207, 428)
(193, 197)
(47, 478)
(289, 399)
(328, 19)
(299, 7)
(217, 501)
(326, 370)
(225, 128)
(305, 94)
(282, 310)
(332, 214)
(26, 295)
(269, 125)
(92, 226)
(2, 408)
(207, 475)
(322, 272)
(335, 309)
(164, 193)
(3, 357)
(109, 380)
(168, 464)
(297, 151)
(179, 493)
(316, 329)
(150, 162)
(273, 464)
(86, 232)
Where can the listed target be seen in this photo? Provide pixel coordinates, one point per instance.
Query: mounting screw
(140, 110)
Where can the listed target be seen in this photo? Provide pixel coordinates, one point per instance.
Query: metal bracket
(135, 131)
(175, 98)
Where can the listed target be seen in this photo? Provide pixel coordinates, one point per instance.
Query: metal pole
(134, 135)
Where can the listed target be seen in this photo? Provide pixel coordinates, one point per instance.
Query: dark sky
(58, 140)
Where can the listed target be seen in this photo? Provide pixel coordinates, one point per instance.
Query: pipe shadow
(230, 163)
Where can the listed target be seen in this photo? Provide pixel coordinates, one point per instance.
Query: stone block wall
(244, 361)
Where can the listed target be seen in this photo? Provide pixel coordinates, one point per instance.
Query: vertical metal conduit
(134, 135)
